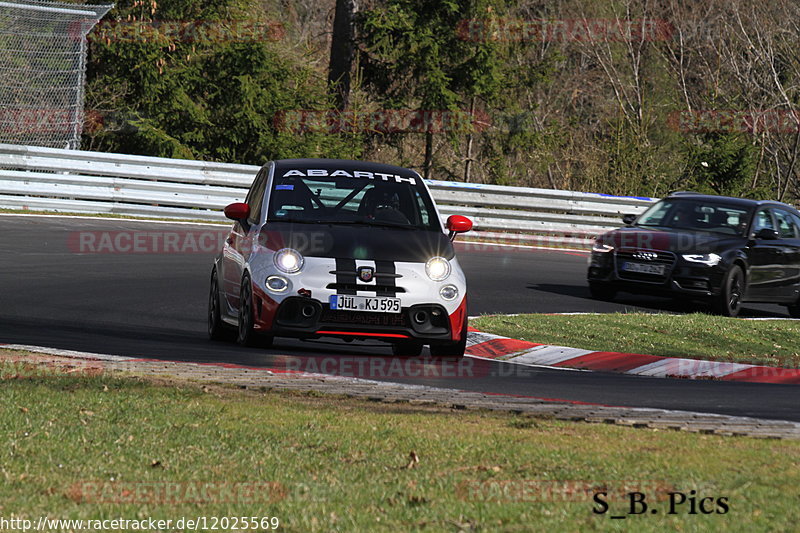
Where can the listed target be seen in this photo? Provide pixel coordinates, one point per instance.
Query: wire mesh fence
(43, 70)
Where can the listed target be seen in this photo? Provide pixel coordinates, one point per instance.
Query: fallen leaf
(413, 460)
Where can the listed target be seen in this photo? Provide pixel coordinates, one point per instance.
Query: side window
(786, 226)
(763, 220)
(253, 188)
(421, 209)
(255, 198)
(796, 220)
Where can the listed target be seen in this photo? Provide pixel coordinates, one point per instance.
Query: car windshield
(697, 215)
(352, 197)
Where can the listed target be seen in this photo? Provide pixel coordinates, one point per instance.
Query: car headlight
(437, 268)
(288, 260)
(602, 248)
(449, 292)
(277, 283)
(706, 259)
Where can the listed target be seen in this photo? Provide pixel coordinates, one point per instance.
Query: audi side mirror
(766, 234)
(629, 219)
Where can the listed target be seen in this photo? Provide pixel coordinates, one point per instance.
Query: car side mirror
(239, 212)
(767, 234)
(629, 219)
(457, 224)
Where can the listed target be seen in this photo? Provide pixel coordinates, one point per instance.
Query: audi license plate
(365, 303)
(644, 268)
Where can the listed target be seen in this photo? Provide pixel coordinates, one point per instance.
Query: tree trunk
(342, 52)
(468, 162)
(428, 155)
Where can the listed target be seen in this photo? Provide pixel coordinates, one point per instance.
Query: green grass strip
(347, 465)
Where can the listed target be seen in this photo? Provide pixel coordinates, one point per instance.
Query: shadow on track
(659, 304)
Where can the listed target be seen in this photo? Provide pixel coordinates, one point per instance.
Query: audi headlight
(706, 259)
(288, 260)
(602, 248)
(437, 268)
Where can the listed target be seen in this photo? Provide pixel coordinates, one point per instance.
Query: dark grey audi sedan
(696, 246)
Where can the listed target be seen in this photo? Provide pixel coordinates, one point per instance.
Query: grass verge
(694, 336)
(97, 446)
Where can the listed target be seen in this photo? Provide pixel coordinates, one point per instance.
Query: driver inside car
(382, 205)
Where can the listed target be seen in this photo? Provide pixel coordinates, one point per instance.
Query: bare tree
(342, 51)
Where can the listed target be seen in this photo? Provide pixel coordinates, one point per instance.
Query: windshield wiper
(297, 221)
(372, 223)
(348, 222)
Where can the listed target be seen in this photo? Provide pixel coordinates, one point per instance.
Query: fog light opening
(307, 311)
(420, 317)
(449, 292)
(277, 283)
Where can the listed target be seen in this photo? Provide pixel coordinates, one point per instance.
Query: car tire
(406, 348)
(794, 309)
(453, 350)
(217, 329)
(247, 335)
(601, 291)
(729, 300)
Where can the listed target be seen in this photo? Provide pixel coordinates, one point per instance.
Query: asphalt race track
(153, 305)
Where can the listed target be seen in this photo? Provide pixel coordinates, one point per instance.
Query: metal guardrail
(49, 179)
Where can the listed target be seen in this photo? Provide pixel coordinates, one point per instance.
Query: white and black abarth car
(347, 249)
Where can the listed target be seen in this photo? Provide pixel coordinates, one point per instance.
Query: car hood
(672, 240)
(376, 243)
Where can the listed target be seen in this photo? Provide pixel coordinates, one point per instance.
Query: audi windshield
(695, 215)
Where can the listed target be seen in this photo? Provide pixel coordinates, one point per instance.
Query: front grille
(379, 290)
(644, 257)
(335, 316)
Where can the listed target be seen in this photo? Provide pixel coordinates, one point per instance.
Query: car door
(765, 260)
(789, 254)
(239, 243)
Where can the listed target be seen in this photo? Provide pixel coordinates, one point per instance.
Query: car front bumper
(681, 278)
(308, 318)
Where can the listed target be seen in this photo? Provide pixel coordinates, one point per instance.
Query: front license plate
(643, 268)
(365, 303)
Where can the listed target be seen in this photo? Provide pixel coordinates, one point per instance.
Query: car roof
(341, 164)
(744, 202)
